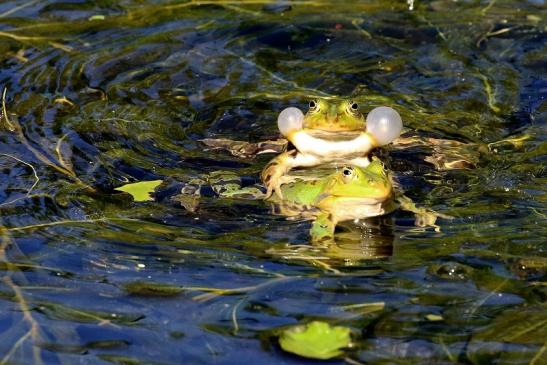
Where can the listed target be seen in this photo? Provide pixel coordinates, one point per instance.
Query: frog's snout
(332, 120)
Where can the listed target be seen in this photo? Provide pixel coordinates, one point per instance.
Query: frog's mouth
(350, 202)
(333, 136)
(321, 143)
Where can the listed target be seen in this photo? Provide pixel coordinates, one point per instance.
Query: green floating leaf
(149, 289)
(316, 340)
(434, 317)
(140, 190)
(96, 17)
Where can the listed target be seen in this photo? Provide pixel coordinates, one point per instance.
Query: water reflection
(355, 244)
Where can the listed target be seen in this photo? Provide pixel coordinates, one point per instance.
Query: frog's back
(303, 192)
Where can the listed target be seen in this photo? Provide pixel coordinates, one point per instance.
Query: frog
(324, 196)
(348, 194)
(330, 132)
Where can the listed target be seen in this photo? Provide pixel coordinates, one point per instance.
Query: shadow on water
(104, 93)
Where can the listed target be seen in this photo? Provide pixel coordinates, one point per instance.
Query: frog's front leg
(423, 217)
(322, 229)
(272, 175)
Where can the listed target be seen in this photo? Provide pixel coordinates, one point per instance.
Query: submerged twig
(15, 127)
(488, 34)
(537, 357)
(487, 7)
(4, 113)
(58, 223)
(34, 330)
(17, 8)
(22, 38)
(36, 178)
(517, 142)
(234, 316)
(489, 94)
(215, 292)
(355, 23)
(488, 296)
(62, 160)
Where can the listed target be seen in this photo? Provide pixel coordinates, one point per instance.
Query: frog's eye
(352, 107)
(314, 106)
(348, 171)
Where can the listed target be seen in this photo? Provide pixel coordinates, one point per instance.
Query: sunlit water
(114, 91)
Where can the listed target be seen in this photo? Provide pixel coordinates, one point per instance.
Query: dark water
(100, 93)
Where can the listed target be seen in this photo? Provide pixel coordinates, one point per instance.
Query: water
(114, 91)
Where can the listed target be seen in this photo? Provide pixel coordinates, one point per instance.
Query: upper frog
(330, 132)
(341, 116)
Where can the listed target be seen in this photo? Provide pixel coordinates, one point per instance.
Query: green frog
(330, 132)
(348, 193)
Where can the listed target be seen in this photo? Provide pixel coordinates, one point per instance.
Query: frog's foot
(428, 218)
(189, 196)
(423, 217)
(322, 229)
(272, 174)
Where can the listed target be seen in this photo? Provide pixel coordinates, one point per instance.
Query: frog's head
(332, 116)
(372, 182)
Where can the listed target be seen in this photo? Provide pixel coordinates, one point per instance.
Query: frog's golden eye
(314, 106)
(352, 107)
(348, 171)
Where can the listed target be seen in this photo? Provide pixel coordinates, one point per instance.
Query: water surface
(101, 93)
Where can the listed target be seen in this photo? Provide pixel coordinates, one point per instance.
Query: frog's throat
(349, 208)
(308, 144)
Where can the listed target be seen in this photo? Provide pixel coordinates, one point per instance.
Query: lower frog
(349, 193)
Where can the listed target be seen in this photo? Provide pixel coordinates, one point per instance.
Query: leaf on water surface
(150, 289)
(317, 340)
(140, 190)
(96, 17)
(434, 317)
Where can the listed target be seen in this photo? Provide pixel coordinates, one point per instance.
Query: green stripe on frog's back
(303, 192)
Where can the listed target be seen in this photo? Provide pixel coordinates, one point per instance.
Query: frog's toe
(273, 186)
(428, 218)
(272, 177)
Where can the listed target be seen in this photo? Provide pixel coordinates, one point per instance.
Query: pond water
(102, 93)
